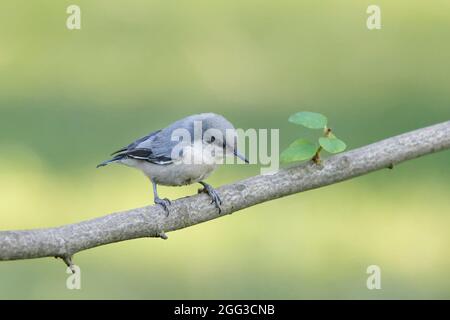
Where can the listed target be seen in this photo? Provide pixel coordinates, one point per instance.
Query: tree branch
(151, 221)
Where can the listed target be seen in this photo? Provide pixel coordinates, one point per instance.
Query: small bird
(185, 152)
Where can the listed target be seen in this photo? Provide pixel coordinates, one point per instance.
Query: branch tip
(162, 235)
(68, 261)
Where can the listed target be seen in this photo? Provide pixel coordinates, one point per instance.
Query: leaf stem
(326, 133)
(316, 158)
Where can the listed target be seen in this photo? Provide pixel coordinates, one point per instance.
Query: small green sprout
(302, 149)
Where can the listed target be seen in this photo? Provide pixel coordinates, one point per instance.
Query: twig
(150, 221)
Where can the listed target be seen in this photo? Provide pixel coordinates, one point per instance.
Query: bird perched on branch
(185, 152)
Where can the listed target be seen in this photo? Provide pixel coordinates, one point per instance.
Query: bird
(185, 152)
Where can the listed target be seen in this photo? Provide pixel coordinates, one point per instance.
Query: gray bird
(171, 156)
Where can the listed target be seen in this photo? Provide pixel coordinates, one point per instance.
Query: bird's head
(220, 133)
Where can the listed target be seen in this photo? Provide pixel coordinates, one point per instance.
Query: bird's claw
(215, 198)
(164, 203)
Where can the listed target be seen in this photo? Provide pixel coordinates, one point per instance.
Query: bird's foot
(215, 198)
(164, 203)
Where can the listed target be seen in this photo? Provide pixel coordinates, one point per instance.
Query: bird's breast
(179, 174)
(196, 164)
(174, 174)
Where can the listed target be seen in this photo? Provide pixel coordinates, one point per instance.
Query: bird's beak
(240, 156)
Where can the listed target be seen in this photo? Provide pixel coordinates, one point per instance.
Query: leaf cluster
(303, 149)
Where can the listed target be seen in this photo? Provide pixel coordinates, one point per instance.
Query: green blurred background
(69, 98)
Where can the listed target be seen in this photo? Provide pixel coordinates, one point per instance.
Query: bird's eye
(212, 139)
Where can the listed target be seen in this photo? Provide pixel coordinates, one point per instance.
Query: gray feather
(157, 146)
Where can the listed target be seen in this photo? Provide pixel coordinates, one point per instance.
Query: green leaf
(299, 150)
(332, 144)
(309, 120)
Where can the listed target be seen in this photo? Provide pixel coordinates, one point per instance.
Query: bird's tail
(104, 163)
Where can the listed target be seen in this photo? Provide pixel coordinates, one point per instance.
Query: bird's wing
(135, 143)
(152, 148)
